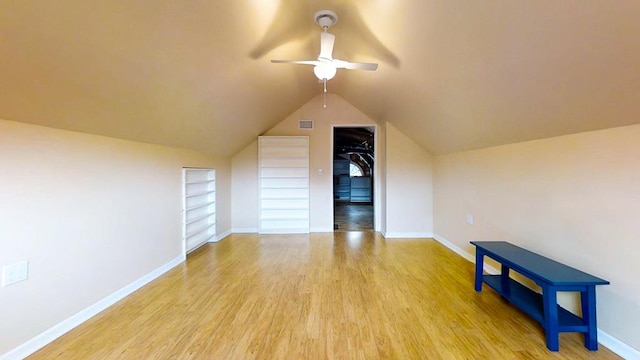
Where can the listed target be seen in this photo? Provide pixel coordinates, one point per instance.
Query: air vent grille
(305, 124)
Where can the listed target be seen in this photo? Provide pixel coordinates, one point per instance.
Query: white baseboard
(244, 231)
(455, 248)
(65, 326)
(407, 235)
(321, 229)
(283, 231)
(488, 268)
(617, 346)
(223, 235)
(610, 342)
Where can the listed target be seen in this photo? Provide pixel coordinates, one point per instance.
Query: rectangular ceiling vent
(305, 124)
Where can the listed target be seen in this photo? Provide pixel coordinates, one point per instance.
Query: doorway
(353, 178)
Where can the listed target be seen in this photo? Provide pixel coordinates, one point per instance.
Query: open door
(353, 178)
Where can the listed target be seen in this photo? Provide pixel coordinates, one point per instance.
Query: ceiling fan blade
(300, 62)
(341, 64)
(326, 45)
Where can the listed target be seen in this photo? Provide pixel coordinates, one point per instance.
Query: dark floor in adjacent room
(353, 216)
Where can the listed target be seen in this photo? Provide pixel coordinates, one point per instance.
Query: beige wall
(381, 146)
(244, 207)
(404, 173)
(245, 164)
(409, 185)
(91, 214)
(573, 198)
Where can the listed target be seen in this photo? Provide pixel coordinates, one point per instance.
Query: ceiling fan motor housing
(325, 18)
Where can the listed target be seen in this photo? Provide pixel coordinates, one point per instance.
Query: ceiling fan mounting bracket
(325, 18)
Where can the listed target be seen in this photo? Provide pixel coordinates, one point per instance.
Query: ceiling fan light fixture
(325, 71)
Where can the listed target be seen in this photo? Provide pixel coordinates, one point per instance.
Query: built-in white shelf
(284, 184)
(199, 207)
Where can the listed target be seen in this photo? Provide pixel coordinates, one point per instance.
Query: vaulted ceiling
(453, 75)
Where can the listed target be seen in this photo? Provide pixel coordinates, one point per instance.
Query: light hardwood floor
(343, 295)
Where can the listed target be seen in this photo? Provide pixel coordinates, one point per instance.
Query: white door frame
(377, 189)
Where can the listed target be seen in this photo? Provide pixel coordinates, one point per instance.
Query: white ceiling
(454, 75)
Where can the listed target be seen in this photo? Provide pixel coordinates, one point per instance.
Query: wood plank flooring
(343, 295)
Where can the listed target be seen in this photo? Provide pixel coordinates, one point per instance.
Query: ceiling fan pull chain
(324, 94)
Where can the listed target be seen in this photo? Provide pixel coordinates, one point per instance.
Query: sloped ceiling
(453, 75)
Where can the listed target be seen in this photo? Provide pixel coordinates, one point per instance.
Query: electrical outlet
(15, 272)
(469, 219)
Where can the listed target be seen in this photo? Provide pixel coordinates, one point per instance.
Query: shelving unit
(199, 207)
(360, 189)
(355, 189)
(284, 184)
(341, 180)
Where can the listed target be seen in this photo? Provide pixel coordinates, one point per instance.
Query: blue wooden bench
(552, 277)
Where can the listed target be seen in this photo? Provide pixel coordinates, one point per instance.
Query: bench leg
(479, 269)
(551, 330)
(504, 280)
(588, 300)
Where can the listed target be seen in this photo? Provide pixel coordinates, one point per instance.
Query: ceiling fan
(325, 67)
